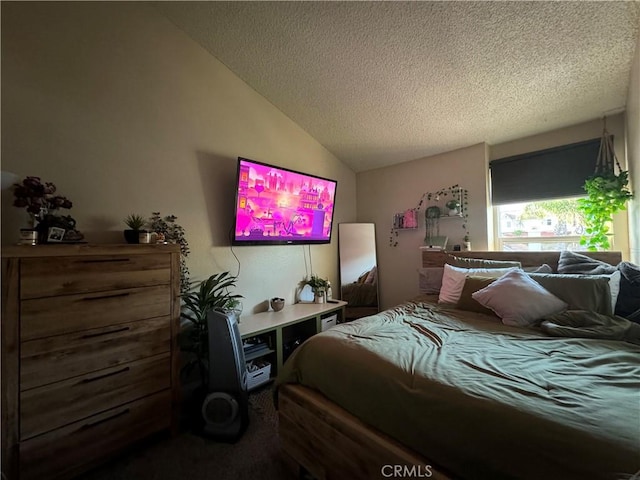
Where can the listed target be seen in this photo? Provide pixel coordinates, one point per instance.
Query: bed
(431, 390)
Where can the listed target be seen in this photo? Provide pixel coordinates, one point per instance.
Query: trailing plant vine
(173, 233)
(606, 194)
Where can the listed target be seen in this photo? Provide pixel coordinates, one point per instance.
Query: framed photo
(55, 234)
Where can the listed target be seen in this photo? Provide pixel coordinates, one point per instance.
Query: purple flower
(36, 196)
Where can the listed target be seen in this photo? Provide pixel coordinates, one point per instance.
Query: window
(535, 194)
(542, 225)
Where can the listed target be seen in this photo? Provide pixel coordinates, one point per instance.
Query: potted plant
(136, 225)
(607, 193)
(42, 204)
(319, 286)
(453, 206)
(172, 232)
(212, 293)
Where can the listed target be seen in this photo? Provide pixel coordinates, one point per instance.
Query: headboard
(432, 259)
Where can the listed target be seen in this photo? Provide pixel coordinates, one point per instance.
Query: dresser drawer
(43, 317)
(51, 359)
(58, 404)
(49, 276)
(67, 450)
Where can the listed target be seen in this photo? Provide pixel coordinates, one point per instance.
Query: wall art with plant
(436, 204)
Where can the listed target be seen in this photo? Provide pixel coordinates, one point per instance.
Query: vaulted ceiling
(379, 83)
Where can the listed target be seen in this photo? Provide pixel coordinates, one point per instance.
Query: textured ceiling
(379, 83)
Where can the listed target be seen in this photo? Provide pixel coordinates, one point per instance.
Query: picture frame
(55, 234)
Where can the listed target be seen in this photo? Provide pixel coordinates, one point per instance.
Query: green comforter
(481, 399)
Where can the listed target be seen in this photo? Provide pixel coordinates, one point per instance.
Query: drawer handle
(99, 377)
(105, 260)
(102, 297)
(109, 332)
(98, 422)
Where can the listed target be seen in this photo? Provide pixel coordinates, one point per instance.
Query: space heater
(225, 409)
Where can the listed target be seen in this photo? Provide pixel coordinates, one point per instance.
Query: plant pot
(132, 236)
(319, 298)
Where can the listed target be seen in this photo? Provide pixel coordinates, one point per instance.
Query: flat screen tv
(278, 206)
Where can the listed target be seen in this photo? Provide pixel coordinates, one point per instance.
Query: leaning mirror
(358, 269)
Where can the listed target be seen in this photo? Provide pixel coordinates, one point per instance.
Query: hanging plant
(607, 194)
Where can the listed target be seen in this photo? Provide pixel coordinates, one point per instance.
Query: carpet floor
(187, 456)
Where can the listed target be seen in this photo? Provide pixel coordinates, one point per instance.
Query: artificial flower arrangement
(41, 203)
(38, 198)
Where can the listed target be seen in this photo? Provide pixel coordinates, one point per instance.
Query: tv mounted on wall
(278, 206)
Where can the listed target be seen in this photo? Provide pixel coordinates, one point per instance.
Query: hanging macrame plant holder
(607, 193)
(432, 223)
(607, 161)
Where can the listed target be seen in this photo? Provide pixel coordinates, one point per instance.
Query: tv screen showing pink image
(278, 206)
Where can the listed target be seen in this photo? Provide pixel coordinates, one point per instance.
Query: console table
(282, 331)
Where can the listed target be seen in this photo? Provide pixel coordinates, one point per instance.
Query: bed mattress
(479, 398)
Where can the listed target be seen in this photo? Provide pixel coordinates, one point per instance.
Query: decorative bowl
(277, 304)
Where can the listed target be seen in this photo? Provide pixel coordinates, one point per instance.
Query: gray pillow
(571, 262)
(518, 300)
(581, 292)
(464, 262)
(544, 268)
(628, 304)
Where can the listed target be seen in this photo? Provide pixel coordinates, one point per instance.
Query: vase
(319, 298)
(28, 236)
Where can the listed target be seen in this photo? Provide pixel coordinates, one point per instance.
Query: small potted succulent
(453, 206)
(136, 224)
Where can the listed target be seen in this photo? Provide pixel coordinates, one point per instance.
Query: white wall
(633, 154)
(126, 114)
(385, 191)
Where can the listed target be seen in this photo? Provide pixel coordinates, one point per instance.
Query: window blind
(556, 172)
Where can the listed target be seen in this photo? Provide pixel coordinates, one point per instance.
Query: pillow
(464, 262)
(629, 297)
(571, 262)
(518, 300)
(363, 277)
(472, 285)
(596, 293)
(372, 277)
(430, 280)
(453, 280)
(544, 268)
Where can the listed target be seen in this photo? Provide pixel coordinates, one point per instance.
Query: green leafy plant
(453, 204)
(135, 222)
(317, 283)
(212, 293)
(606, 194)
(173, 233)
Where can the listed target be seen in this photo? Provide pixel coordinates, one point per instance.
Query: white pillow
(453, 280)
(518, 299)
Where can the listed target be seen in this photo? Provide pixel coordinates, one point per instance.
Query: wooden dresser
(90, 358)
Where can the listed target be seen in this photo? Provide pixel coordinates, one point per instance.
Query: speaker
(225, 408)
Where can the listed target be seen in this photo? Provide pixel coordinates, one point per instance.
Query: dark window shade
(546, 174)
